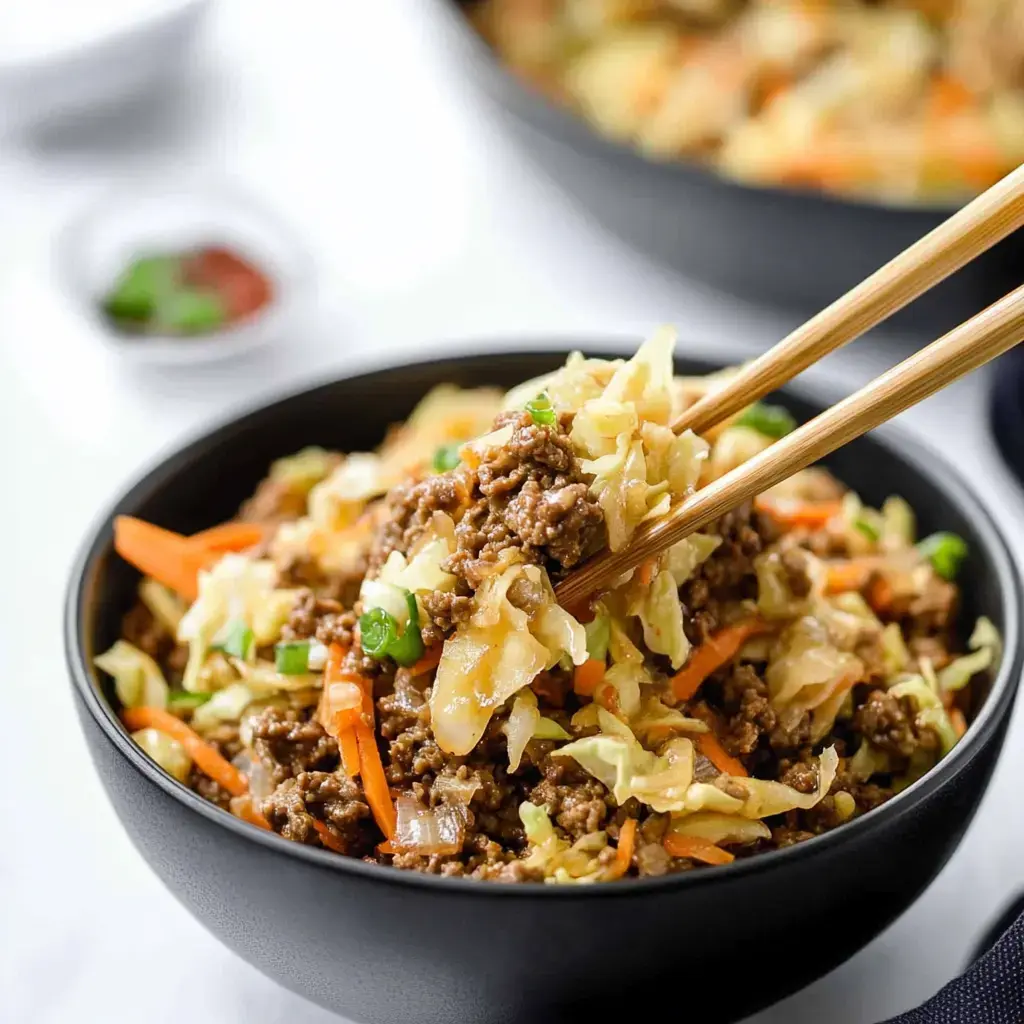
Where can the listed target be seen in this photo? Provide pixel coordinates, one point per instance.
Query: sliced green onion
(946, 551)
(408, 648)
(142, 287)
(867, 528)
(378, 630)
(599, 633)
(378, 634)
(183, 700)
(292, 658)
(191, 311)
(238, 641)
(541, 410)
(446, 457)
(770, 420)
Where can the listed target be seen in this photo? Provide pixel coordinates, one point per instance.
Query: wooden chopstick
(976, 227)
(965, 348)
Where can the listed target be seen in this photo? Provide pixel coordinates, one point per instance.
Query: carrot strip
(327, 837)
(608, 697)
(718, 649)
(588, 677)
(646, 571)
(229, 537)
(879, 594)
(948, 97)
(956, 716)
(166, 556)
(375, 783)
(710, 746)
(429, 661)
(349, 747)
(842, 577)
(241, 807)
(207, 759)
(812, 515)
(624, 853)
(696, 849)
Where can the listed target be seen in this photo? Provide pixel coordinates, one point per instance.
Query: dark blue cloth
(991, 991)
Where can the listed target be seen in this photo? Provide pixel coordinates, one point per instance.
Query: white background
(427, 226)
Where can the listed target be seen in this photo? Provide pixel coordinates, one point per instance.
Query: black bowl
(793, 248)
(382, 945)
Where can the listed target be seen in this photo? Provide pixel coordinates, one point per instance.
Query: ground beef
(749, 715)
(445, 611)
(530, 495)
(288, 744)
(889, 724)
(576, 801)
(329, 797)
(307, 615)
(728, 575)
(338, 588)
(208, 789)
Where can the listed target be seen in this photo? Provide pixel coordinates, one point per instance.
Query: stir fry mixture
(371, 658)
(892, 99)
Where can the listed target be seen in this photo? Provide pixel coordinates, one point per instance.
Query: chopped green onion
(142, 288)
(945, 551)
(238, 641)
(191, 311)
(770, 420)
(599, 633)
(183, 700)
(378, 634)
(541, 410)
(378, 630)
(292, 658)
(867, 528)
(408, 648)
(446, 457)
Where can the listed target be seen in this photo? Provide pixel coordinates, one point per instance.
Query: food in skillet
(915, 100)
(371, 659)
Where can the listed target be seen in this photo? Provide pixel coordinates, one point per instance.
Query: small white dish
(64, 56)
(130, 222)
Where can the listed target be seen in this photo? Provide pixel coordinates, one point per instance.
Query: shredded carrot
(710, 746)
(949, 96)
(718, 649)
(386, 847)
(207, 759)
(349, 748)
(812, 515)
(229, 537)
(879, 594)
(327, 837)
(646, 571)
(956, 716)
(588, 677)
(241, 807)
(624, 853)
(430, 660)
(166, 556)
(608, 697)
(843, 577)
(696, 849)
(375, 783)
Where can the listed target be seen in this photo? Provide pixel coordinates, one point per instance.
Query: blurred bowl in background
(58, 62)
(133, 221)
(793, 248)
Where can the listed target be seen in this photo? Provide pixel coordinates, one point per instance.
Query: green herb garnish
(292, 658)
(541, 410)
(379, 636)
(946, 552)
(446, 457)
(770, 420)
(184, 700)
(237, 642)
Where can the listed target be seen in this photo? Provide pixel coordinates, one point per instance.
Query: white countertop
(428, 227)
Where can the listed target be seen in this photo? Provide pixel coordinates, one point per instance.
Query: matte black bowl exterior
(392, 947)
(798, 249)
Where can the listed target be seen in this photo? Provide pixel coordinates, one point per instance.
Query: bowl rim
(570, 129)
(295, 281)
(918, 456)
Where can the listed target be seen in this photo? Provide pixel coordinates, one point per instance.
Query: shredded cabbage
(236, 589)
(164, 605)
(166, 751)
(501, 650)
(661, 616)
(721, 829)
(683, 558)
(225, 705)
(930, 712)
(138, 681)
(986, 645)
(561, 862)
(521, 725)
(303, 470)
(337, 502)
(775, 597)
(899, 525)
